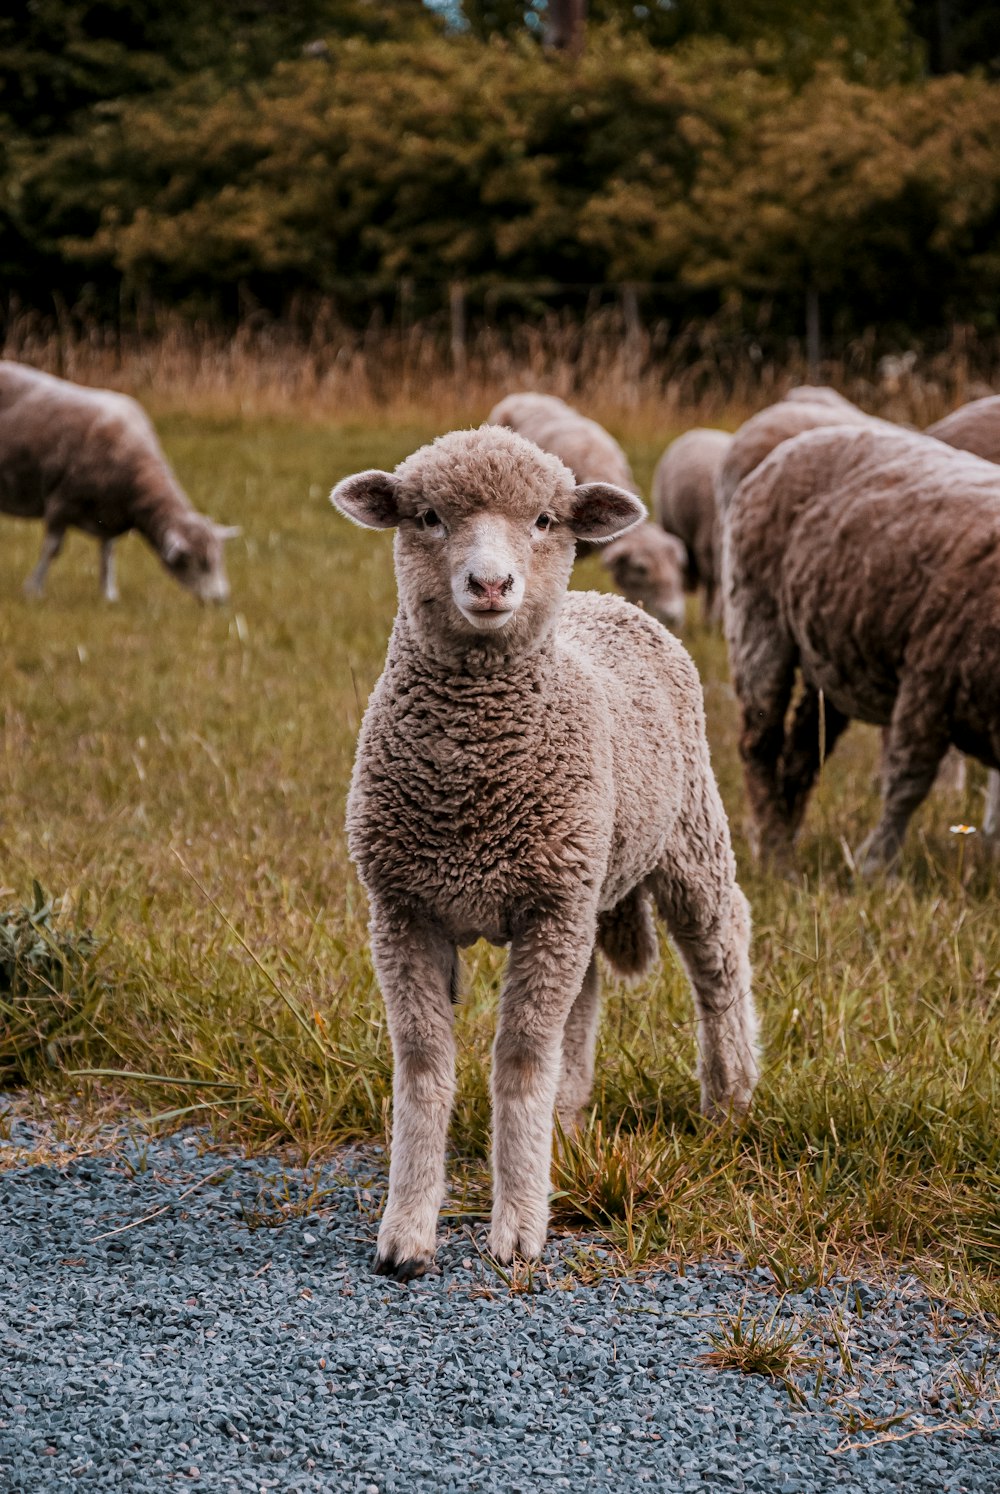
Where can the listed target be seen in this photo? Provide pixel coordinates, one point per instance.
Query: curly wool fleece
(539, 785)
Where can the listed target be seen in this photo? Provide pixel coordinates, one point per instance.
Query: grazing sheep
(759, 435)
(645, 565)
(532, 769)
(974, 427)
(89, 459)
(684, 504)
(869, 560)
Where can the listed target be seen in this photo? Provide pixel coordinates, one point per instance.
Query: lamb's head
(486, 526)
(191, 550)
(647, 566)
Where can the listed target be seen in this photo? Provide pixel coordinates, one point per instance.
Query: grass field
(179, 776)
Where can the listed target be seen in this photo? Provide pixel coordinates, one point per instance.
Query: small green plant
(45, 985)
(755, 1346)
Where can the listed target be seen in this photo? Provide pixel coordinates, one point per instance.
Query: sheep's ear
(174, 546)
(600, 511)
(227, 531)
(370, 499)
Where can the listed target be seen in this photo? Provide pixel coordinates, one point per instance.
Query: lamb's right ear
(369, 498)
(600, 511)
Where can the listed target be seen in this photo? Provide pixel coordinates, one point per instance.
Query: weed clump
(46, 987)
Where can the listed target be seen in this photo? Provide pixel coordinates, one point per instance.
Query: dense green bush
(402, 152)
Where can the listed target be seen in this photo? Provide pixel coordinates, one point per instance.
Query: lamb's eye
(429, 519)
(543, 522)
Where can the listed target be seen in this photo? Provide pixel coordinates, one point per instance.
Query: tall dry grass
(641, 379)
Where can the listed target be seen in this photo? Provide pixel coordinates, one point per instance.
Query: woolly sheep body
(759, 436)
(89, 459)
(870, 561)
(540, 782)
(646, 566)
(684, 504)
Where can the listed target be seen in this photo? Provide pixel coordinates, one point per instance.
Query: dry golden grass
(643, 382)
(179, 775)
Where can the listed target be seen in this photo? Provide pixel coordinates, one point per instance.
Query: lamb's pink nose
(490, 589)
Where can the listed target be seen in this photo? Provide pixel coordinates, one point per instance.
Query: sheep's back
(974, 427)
(770, 428)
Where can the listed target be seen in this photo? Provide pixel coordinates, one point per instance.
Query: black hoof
(400, 1270)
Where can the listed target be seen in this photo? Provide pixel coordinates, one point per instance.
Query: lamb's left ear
(227, 531)
(600, 511)
(369, 498)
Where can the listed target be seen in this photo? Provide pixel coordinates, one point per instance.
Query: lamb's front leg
(545, 973)
(415, 967)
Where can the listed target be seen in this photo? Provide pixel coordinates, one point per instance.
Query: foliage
(45, 987)
(441, 159)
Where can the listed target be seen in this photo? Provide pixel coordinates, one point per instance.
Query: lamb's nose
(490, 589)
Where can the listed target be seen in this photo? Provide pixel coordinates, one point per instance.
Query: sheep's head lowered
(648, 567)
(192, 552)
(486, 527)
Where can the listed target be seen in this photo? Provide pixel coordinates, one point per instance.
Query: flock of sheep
(533, 767)
(855, 557)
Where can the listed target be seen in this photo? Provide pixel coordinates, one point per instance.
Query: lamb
(684, 505)
(89, 459)
(974, 427)
(869, 560)
(532, 769)
(759, 436)
(646, 565)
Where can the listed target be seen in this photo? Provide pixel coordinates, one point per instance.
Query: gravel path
(194, 1350)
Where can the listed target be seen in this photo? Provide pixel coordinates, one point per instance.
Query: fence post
(633, 339)
(564, 25)
(456, 302)
(404, 298)
(813, 349)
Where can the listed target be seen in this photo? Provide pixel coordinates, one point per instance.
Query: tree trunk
(564, 25)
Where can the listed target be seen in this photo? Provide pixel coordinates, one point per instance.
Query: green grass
(178, 775)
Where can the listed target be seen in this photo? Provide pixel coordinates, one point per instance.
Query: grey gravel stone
(193, 1351)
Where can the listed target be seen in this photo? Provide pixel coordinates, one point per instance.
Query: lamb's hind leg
(709, 922)
(416, 972)
(576, 1077)
(51, 545)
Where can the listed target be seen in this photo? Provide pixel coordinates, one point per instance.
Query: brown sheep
(684, 504)
(974, 427)
(869, 561)
(89, 459)
(647, 566)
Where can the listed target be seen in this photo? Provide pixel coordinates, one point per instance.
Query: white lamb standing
(532, 769)
(89, 459)
(647, 565)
